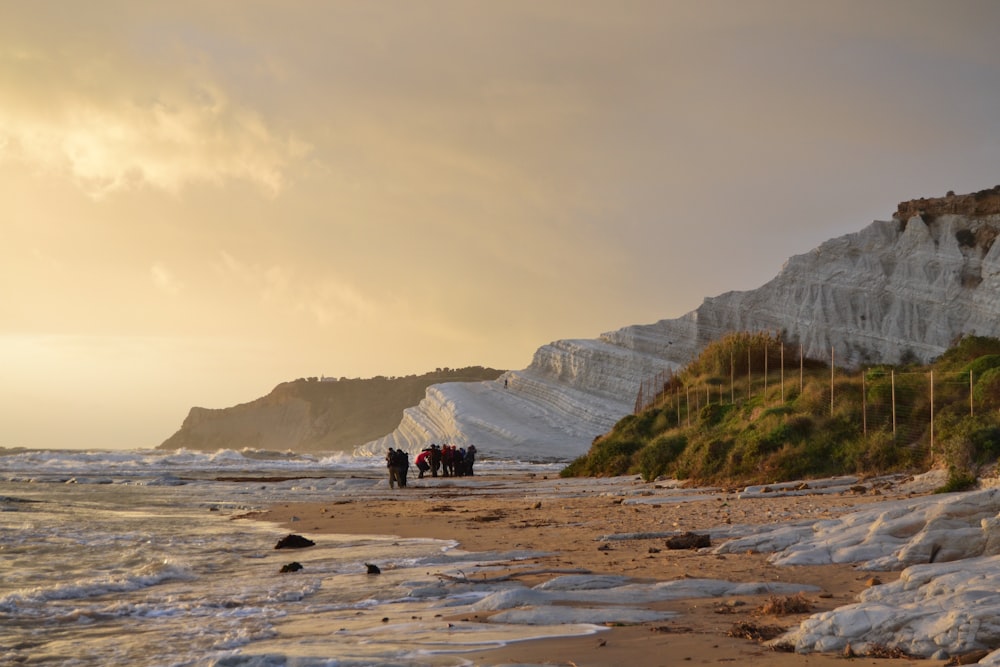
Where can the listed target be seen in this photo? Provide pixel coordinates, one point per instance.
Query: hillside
(797, 420)
(309, 415)
(899, 289)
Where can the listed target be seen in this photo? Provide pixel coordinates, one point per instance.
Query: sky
(200, 200)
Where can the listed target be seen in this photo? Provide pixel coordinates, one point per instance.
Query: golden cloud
(166, 136)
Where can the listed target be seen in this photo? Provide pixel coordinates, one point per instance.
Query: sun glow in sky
(201, 200)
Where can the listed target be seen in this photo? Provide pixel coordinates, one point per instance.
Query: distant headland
(315, 415)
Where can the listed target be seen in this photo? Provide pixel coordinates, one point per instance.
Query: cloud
(324, 300)
(333, 302)
(90, 117)
(165, 280)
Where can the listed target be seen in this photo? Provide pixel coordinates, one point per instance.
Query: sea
(148, 557)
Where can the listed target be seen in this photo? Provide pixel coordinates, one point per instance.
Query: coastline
(570, 521)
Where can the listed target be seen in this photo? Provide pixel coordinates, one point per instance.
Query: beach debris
(372, 568)
(689, 540)
(971, 658)
(729, 606)
(294, 566)
(292, 541)
(894, 652)
(754, 632)
(780, 605)
(669, 628)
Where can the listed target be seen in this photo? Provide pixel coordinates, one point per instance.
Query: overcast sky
(199, 200)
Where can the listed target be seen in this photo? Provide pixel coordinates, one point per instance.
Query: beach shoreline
(595, 527)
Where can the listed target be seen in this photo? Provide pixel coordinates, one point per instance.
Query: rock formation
(313, 415)
(899, 289)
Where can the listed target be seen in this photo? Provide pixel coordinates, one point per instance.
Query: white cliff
(899, 289)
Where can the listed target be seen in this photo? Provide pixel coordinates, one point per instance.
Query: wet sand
(568, 521)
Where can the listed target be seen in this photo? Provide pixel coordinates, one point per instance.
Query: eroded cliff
(899, 289)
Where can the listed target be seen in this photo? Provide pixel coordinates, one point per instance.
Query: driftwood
(507, 577)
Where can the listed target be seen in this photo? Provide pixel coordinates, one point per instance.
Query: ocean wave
(163, 467)
(99, 464)
(145, 577)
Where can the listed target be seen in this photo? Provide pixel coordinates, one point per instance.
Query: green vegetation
(724, 420)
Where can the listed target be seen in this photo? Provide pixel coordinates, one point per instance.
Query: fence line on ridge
(882, 399)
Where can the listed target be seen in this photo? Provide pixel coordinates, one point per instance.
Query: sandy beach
(571, 521)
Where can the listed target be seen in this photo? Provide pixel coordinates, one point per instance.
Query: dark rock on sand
(291, 567)
(373, 569)
(294, 542)
(689, 541)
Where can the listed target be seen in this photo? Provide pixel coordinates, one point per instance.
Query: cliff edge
(975, 205)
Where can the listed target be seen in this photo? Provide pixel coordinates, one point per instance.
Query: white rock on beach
(954, 607)
(888, 536)
(947, 599)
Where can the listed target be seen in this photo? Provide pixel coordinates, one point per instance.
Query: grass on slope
(730, 434)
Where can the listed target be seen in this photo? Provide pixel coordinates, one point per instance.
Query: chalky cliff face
(905, 288)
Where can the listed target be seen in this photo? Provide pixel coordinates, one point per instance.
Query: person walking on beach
(470, 459)
(447, 460)
(402, 467)
(435, 459)
(390, 464)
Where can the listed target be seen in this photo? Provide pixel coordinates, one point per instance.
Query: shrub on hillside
(987, 389)
(610, 456)
(657, 458)
(985, 363)
(877, 454)
(967, 349)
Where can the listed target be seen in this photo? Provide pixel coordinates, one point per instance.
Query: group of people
(448, 460)
(451, 461)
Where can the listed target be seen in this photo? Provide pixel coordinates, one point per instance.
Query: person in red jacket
(423, 462)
